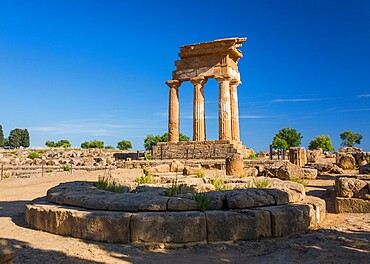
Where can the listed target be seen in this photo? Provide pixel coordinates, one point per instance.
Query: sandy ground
(343, 238)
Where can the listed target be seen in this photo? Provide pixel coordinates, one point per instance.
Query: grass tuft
(202, 200)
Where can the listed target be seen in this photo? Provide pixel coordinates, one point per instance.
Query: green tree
(15, 138)
(92, 144)
(25, 138)
(50, 144)
(152, 140)
(349, 138)
(6, 142)
(63, 143)
(2, 139)
(323, 142)
(290, 135)
(109, 147)
(124, 145)
(279, 143)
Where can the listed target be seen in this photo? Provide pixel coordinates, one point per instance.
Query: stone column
(173, 111)
(224, 115)
(235, 132)
(199, 128)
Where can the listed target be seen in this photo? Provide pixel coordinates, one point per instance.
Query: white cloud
(363, 95)
(251, 117)
(354, 110)
(296, 100)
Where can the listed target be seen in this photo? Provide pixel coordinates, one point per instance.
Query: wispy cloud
(354, 110)
(251, 117)
(363, 95)
(297, 100)
(90, 127)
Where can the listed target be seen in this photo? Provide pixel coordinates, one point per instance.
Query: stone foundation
(210, 149)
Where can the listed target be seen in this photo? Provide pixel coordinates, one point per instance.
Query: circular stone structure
(79, 209)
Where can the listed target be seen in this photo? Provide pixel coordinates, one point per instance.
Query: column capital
(198, 80)
(235, 82)
(173, 83)
(221, 78)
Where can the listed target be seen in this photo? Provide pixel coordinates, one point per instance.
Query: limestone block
(176, 166)
(135, 202)
(250, 172)
(313, 155)
(346, 161)
(361, 158)
(162, 168)
(309, 173)
(7, 252)
(168, 227)
(234, 165)
(351, 205)
(181, 204)
(103, 226)
(238, 225)
(289, 219)
(248, 198)
(190, 170)
(350, 187)
(217, 200)
(318, 209)
(286, 171)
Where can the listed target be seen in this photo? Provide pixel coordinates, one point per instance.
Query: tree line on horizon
(289, 137)
(17, 138)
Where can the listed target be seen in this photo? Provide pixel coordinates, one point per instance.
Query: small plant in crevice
(148, 156)
(49, 170)
(261, 183)
(200, 174)
(202, 200)
(300, 181)
(175, 189)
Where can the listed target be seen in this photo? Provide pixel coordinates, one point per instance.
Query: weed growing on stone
(148, 156)
(6, 175)
(218, 183)
(200, 174)
(300, 181)
(33, 155)
(175, 189)
(264, 183)
(202, 200)
(49, 170)
(147, 178)
(109, 184)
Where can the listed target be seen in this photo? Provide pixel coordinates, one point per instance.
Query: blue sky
(83, 70)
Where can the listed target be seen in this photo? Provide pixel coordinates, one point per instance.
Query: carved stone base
(210, 149)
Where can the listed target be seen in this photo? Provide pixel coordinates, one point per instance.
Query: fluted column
(199, 128)
(235, 132)
(224, 115)
(173, 111)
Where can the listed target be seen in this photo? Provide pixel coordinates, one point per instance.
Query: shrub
(175, 189)
(109, 147)
(200, 174)
(33, 155)
(124, 145)
(148, 156)
(202, 200)
(66, 168)
(148, 178)
(252, 156)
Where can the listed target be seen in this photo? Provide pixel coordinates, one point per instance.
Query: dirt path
(343, 238)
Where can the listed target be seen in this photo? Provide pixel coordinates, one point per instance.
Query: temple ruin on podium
(217, 59)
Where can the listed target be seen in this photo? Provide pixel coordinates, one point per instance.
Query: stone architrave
(199, 128)
(235, 132)
(224, 111)
(173, 111)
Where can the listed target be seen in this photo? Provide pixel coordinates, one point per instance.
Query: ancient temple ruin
(217, 59)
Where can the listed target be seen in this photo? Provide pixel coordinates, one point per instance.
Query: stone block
(238, 225)
(168, 227)
(7, 252)
(288, 220)
(297, 156)
(318, 209)
(351, 205)
(234, 165)
(365, 169)
(94, 225)
(345, 161)
(248, 198)
(181, 204)
(350, 187)
(309, 173)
